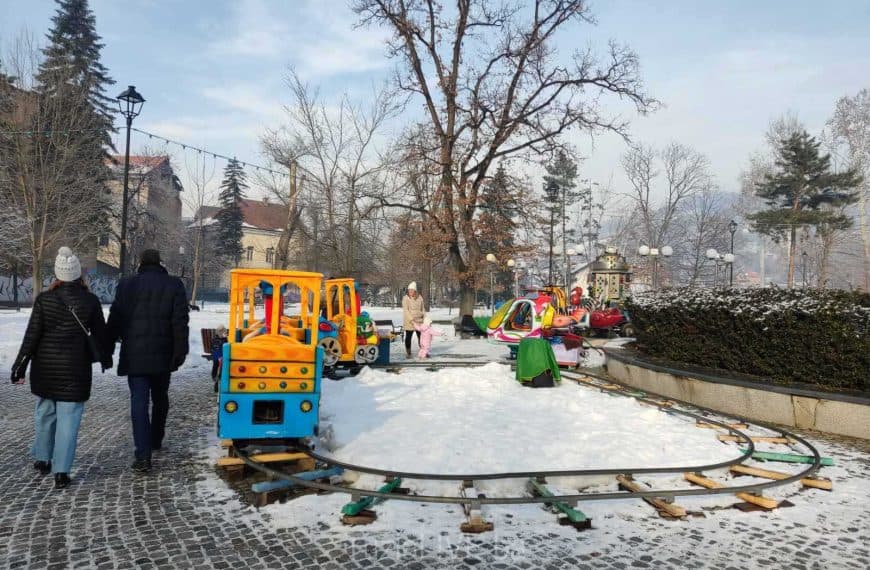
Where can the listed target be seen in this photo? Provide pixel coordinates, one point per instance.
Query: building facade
(153, 213)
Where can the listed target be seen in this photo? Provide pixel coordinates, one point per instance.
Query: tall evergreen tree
(559, 183)
(499, 208)
(72, 70)
(75, 112)
(801, 192)
(229, 218)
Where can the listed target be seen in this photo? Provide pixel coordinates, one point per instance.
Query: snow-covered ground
(478, 419)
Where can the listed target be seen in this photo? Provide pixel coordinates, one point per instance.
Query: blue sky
(212, 71)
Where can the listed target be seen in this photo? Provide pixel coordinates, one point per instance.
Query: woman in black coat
(56, 347)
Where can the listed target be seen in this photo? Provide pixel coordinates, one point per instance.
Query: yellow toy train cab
(270, 380)
(343, 311)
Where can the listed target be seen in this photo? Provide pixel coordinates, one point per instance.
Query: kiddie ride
(346, 334)
(270, 380)
(539, 313)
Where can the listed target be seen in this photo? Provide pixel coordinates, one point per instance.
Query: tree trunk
(792, 249)
(466, 299)
(37, 279)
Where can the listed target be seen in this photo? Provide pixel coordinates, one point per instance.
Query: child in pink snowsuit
(427, 331)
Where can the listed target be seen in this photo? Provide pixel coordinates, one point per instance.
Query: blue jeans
(57, 429)
(148, 429)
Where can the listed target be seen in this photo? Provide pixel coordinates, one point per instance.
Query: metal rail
(813, 467)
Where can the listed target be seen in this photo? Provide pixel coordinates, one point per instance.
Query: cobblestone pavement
(111, 518)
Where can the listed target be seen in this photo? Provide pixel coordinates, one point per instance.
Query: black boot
(141, 466)
(44, 467)
(61, 480)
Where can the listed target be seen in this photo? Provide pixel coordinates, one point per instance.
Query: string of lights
(187, 146)
(184, 146)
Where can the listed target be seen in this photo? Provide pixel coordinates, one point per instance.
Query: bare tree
(703, 224)
(686, 174)
(198, 195)
(336, 150)
(493, 87)
(44, 178)
(850, 136)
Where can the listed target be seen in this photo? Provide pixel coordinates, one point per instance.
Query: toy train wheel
(331, 350)
(371, 354)
(359, 355)
(628, 330)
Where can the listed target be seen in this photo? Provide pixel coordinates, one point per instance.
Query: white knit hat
(412, 286)
(66, 265)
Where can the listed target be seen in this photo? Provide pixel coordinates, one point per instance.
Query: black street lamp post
(732, 227)
(130, 105)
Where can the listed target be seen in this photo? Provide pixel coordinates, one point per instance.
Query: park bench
(207, 336)
(386, 328)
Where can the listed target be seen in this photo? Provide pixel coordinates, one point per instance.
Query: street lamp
(490, 257)
(732, 227)
(654, 253)
(130, 105)
(719, 260)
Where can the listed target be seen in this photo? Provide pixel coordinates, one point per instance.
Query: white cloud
(318, 40)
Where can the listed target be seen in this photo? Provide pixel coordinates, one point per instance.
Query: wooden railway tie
(664, 508)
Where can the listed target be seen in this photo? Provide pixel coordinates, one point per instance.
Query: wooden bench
(207, 336)
(385, 327)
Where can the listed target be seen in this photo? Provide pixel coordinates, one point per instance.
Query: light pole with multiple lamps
(732, 227)
(130, 105)
(719, 260)
(654, 253)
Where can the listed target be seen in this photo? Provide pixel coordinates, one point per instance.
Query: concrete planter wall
(831, 413)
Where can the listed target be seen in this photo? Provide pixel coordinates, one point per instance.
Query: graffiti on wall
(102, 286)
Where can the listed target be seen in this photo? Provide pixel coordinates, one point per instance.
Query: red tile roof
(263, 215)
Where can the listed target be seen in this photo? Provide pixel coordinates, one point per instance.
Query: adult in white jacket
(413, 311)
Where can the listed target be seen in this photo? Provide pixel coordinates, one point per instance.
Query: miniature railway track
(666, 405)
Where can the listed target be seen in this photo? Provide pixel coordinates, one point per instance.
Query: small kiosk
(610, 276)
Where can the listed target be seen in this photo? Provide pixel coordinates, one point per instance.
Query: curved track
(592, 381)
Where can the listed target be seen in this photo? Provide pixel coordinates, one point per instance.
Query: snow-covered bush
(798, 335)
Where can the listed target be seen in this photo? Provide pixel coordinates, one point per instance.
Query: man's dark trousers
(148, 431)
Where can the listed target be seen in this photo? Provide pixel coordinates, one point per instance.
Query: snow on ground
(480, 419)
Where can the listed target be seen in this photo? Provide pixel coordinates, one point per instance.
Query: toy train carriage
(356, 341)
(270, 380)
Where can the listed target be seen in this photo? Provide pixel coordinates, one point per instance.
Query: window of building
(270, 254)
(249, 254)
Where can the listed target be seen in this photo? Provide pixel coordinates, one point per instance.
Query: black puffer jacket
(56, 346)
(149, 316)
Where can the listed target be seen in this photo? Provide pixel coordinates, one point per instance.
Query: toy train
(273, 364)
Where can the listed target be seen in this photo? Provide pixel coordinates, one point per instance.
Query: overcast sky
(212, 71)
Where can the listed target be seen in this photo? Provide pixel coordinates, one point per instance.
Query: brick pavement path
(112, 518)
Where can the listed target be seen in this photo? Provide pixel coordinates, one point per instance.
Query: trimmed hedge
(812, 336)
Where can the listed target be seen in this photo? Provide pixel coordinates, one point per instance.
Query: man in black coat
(149, 316)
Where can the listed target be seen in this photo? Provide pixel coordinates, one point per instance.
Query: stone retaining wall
(843, 415)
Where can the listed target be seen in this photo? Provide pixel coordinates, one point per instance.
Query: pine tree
(801, 192)
(499, 208)
(229, 218)
(72, 72)
(559, 192)
(75, 112)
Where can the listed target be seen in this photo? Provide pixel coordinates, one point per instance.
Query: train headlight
(306, 406)
(263, 369)
(262, 385)
(231, 407)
